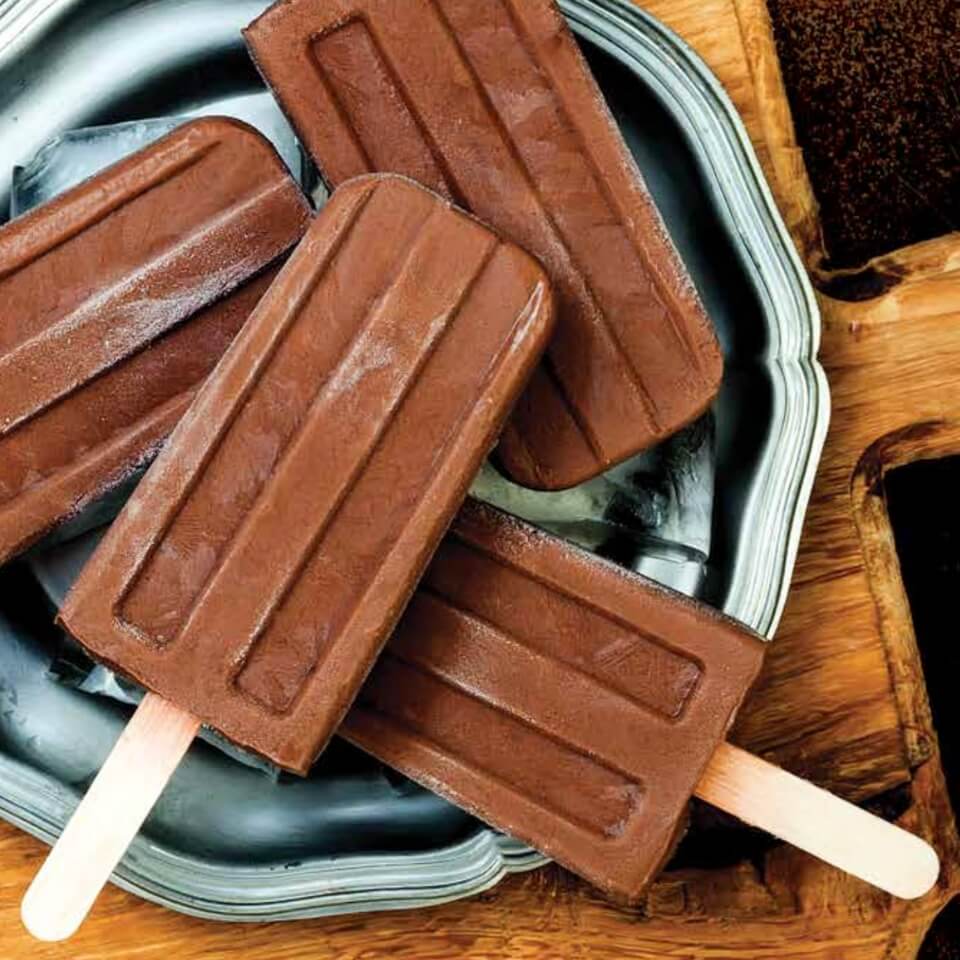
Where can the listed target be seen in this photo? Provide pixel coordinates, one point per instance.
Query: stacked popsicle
(273, 547)
(116, 301)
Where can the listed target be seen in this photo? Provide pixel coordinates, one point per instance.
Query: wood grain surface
(842, 700)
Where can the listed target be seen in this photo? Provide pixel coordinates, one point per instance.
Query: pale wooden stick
(814, 820)
(108, 818)
(158, 735)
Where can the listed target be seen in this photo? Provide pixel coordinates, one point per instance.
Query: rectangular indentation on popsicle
(520, 102)
(241, 467)
(564, 627)
(352, 66)
(340, 576)
(297, 651)
(487, 744)
(637, 311)
(81, 214)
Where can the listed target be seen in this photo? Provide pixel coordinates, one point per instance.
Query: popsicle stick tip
(42, 923)
(924, 874)
(820, 823)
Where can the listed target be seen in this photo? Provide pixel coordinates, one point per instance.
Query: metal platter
(234, 843)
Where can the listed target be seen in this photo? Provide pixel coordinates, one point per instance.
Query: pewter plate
(717, 512)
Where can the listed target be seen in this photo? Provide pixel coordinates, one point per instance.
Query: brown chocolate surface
(874, 87)
(566, 701)
(260, 565)
(117, 299)
(492, 105)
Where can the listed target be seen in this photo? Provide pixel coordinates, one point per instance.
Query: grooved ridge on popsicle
(539, 610)
(408, 694)
(158, 599)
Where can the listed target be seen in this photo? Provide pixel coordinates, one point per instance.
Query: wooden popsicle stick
(818, 822)
(159, 734)
(108, 818)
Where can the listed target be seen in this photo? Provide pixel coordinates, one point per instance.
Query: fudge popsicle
(116, 301)
(257, 570)
(578, 706)
(492, 105)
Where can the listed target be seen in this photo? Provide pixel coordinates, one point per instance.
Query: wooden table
(843, 699)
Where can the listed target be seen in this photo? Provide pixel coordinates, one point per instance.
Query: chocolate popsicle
(578, 706)
(263, 561)
(492, 105)
(116, 301)
(569, 703)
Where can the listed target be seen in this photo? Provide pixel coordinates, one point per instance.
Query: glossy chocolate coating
(265, 558)
(116, 301)
(491, 104)
(562, 699)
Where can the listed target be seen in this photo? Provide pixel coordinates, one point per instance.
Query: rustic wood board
(842, 700)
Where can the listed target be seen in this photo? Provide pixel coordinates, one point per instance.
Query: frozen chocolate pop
(253, 577)
(578, 706)
(491, 104)
(116, 301)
